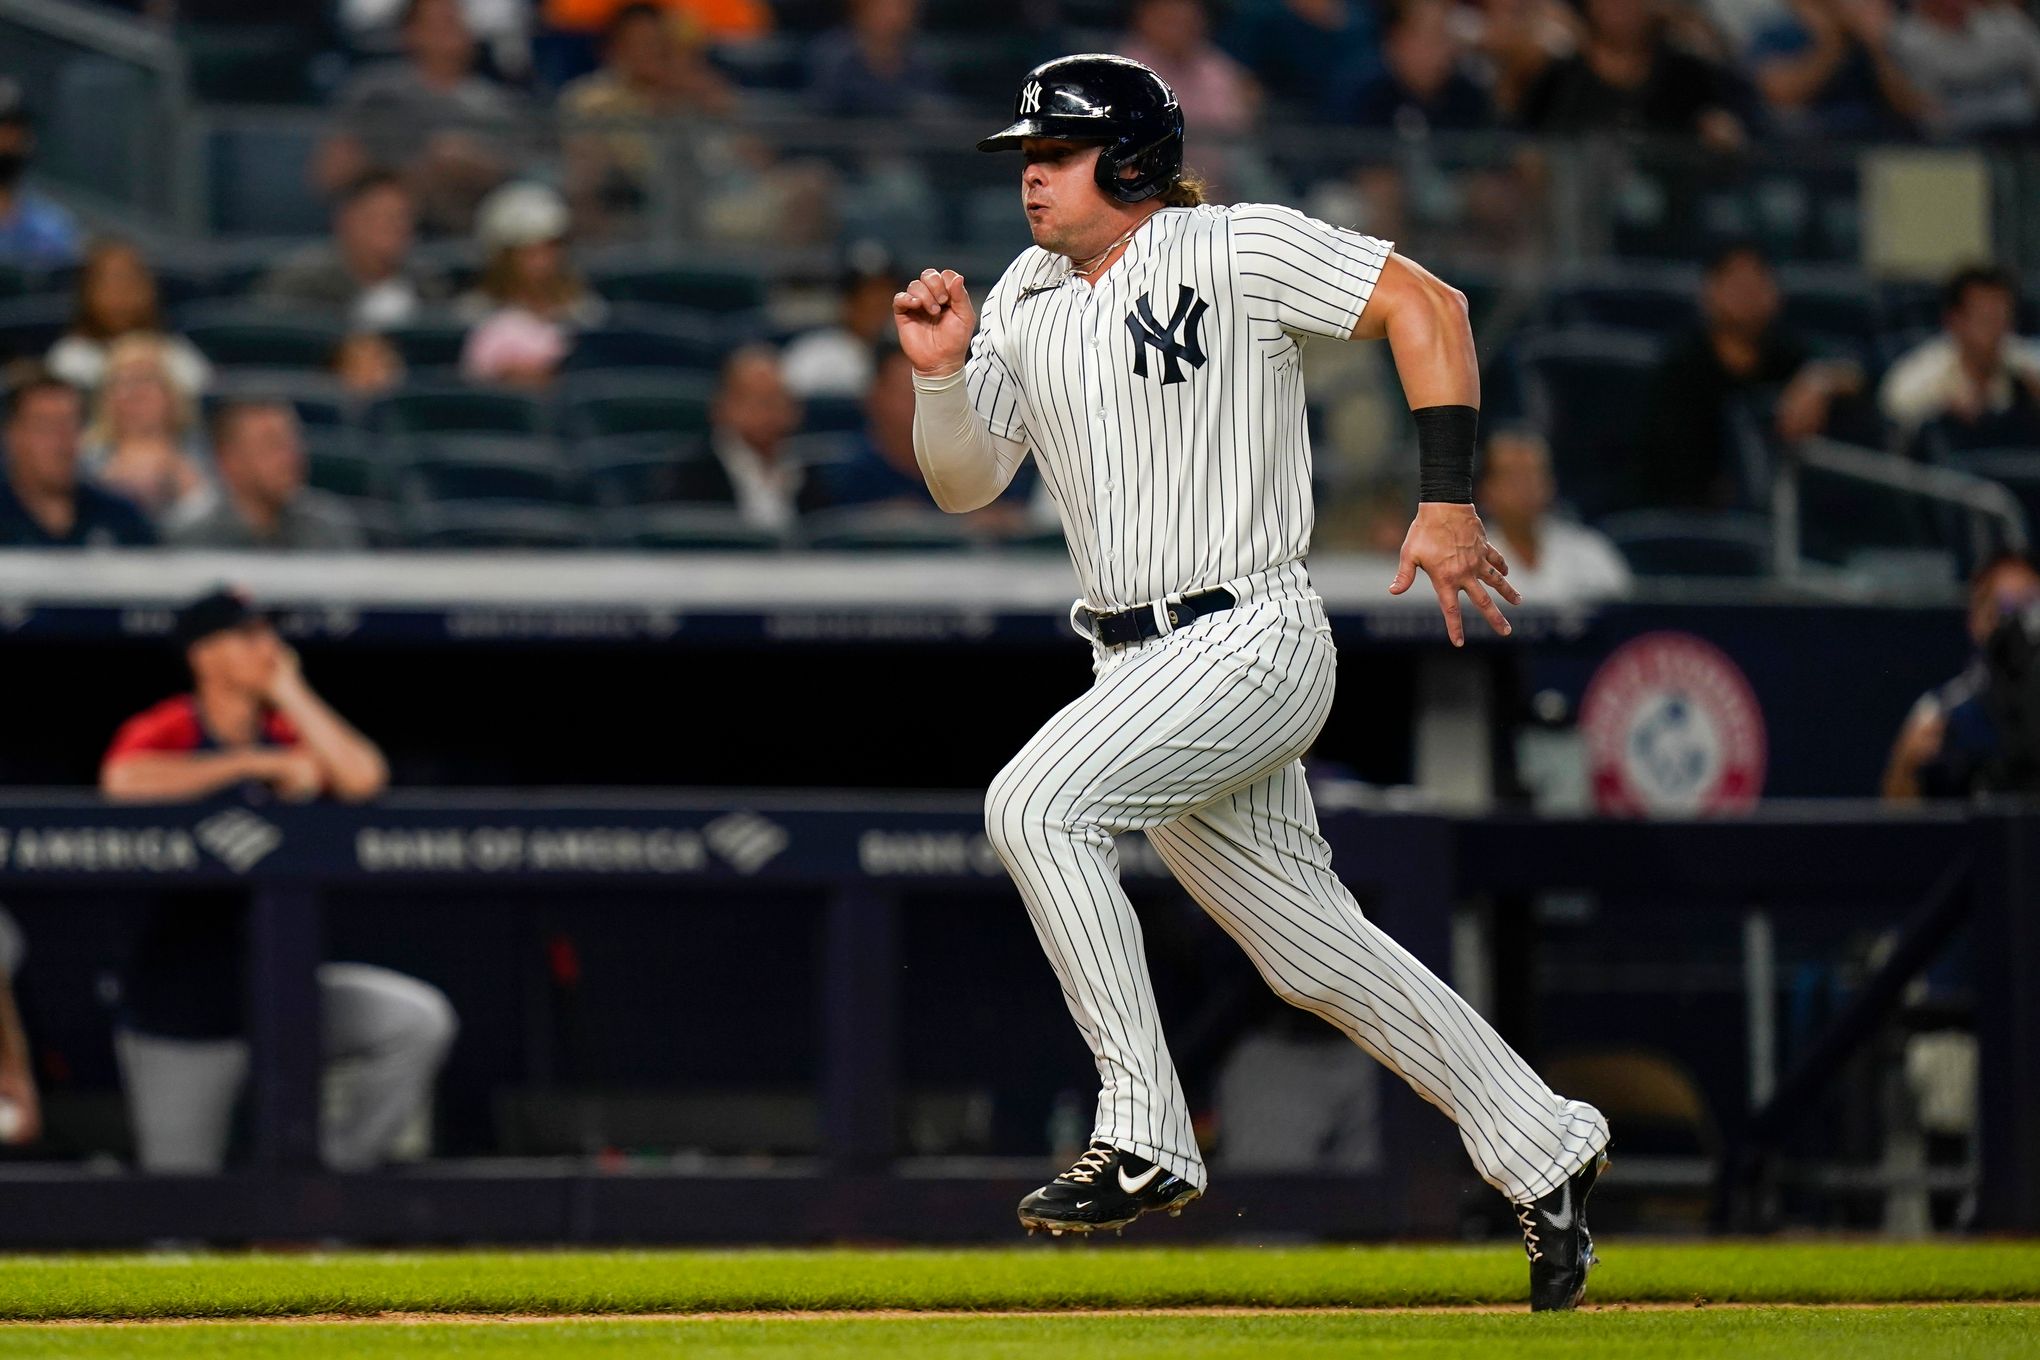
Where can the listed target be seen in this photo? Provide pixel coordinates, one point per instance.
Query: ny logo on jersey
(1030, 97)
(1147, 331)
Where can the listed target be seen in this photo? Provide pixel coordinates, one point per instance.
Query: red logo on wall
(1672, 726)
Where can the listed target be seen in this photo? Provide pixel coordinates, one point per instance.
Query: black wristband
(1445, 439)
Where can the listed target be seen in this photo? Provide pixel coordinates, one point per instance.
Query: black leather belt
(1140, 623)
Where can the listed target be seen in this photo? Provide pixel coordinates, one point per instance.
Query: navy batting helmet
(1093, 97)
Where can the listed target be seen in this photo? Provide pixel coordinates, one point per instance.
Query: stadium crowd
(447, 367)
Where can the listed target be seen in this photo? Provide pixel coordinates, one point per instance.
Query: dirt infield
(927, 1315)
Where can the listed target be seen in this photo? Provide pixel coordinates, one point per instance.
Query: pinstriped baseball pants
(1194, 738)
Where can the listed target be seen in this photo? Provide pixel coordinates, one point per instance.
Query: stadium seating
(497, 524)
(639, 470)
(698, 528)
(633, 401)
(30, 325)
(1585, 389)
(639, 337)
(886, 528)
(1692, 543)
(459, 410)
(688, 287)
(234, 333)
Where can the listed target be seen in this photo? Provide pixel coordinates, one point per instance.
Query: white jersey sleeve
(1305, 276)
(995, 392)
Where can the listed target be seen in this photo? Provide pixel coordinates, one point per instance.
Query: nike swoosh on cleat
(1562, 1220)
(1133, 1185)
(1085, 1203)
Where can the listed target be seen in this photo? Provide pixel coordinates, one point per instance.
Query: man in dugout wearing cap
(252, 724)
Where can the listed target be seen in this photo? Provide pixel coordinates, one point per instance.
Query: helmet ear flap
(1154, 172)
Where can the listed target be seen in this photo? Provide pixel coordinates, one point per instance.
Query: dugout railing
(1923, 874)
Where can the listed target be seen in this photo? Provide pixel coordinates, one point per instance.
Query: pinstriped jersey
(1163, 404)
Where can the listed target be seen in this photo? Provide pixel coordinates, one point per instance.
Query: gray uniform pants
(392, 1030)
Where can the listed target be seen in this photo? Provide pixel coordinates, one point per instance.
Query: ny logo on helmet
(1030, 97)
(1188, 316)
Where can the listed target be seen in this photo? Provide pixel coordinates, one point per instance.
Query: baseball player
(1145, 352)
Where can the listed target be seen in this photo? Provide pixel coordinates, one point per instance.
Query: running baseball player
(1145, 352)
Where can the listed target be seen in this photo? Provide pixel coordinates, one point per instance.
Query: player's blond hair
(1187, 192)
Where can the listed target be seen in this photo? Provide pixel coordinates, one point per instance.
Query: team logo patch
(1187, 317)
(1672, 726)
(1030, 97)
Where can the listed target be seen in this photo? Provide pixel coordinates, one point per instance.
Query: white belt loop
(1077, 628)
(1165, 612)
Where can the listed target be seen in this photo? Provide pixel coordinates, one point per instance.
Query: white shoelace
(1089, 1166)
(1526, 1214)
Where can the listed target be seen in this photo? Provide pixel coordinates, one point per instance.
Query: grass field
(1690, 1299)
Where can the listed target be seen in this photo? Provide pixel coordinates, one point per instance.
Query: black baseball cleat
(1107, 1188)
(1556, 1240)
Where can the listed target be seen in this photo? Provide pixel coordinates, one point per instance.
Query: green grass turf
(1099, 1275)
(1963, 1333)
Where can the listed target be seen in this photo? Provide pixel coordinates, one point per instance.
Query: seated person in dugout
(253, 725)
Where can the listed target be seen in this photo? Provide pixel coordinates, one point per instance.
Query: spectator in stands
(653, 66)
(501, 27)
(1826, 69)
(717, 21)
(882, 470)
(142, 443)
(873, 66)
(117, 297)
(367, 365)
(1629, 77)
(1551, 560)
(265, 503)
(752, 417)
(1976, 382)
(1739, 353)
(1976, 61)
(34, 232)
(253, 725)
(530, 299)
(1304, 53)
(365, 273)
(1515, 41)
(17, 1068)
(836, 360)
(1174, 38)
(1421, 87)
(43, 502)
(1949, 738)
(430, 117)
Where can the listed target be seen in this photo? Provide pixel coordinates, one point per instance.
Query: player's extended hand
(1448, 542)
(935, 321)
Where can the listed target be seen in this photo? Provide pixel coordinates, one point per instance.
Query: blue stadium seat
(342, 461)
(1726, 543)
(1586, 390)
(642, 338)
(640, 470)
(30, 325)
(696, 288)
(257, 175)
(686, 527)
(319, 398)
(1660, 308)
(885, 528)
(452, 410)
(832, 415)
(498, 524)
(429, 342)
(477, 468)
(230, 333)
(624, 401)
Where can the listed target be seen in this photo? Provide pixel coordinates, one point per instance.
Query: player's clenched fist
(935, 321)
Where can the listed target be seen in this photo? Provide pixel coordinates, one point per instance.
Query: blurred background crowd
(455, 273)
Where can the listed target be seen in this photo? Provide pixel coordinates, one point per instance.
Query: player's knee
(1018, 811)
(430, 1023)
